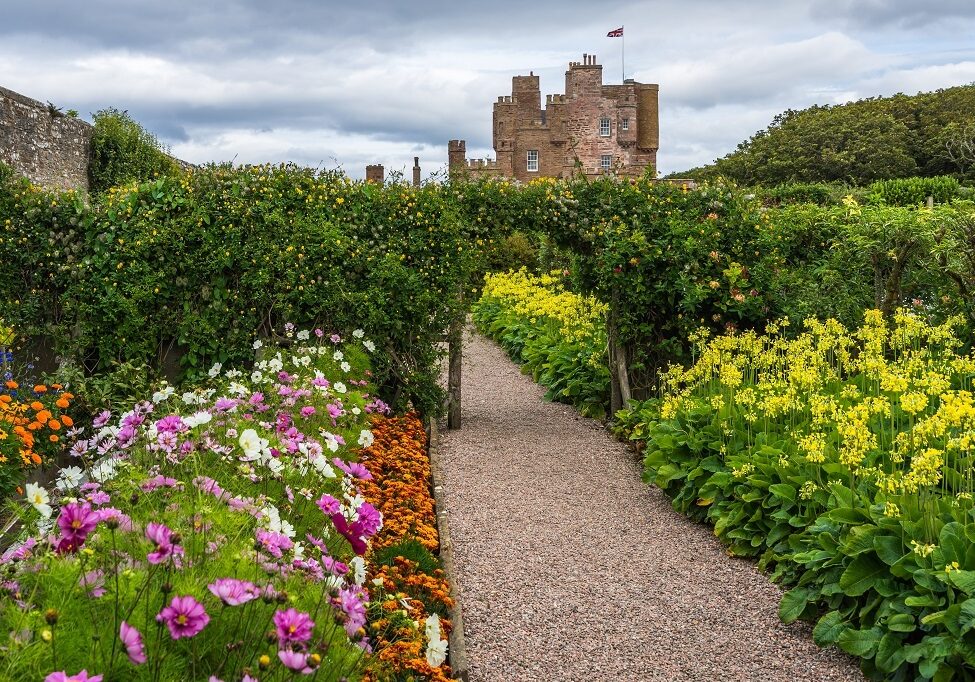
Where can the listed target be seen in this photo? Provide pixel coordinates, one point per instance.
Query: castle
(592, 128)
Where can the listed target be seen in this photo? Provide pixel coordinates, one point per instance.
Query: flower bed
(412, 589)
(557, 335)
(218, 535)
(843, 461)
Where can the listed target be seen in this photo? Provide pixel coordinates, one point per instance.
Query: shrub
(122, 151)
(914, 191)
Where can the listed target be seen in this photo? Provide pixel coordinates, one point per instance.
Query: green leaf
(829, 628)
(890, 653)
(889, 548)
(862, 574)
(963, 580)
(784, 491)
(859, 642)
(793, 604)
(901, 622)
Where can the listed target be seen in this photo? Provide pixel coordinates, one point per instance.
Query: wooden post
(619, 393)
(455, 350)
(930, 202)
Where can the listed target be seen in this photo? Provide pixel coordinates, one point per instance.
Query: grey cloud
(899, 13)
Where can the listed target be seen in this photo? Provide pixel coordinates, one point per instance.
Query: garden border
(456, 641)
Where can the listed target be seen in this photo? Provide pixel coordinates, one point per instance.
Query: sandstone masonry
(44, 145)
(593, 128)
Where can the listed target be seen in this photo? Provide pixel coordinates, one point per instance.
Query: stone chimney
(416, 171)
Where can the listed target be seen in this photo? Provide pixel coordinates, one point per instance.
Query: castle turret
(647, 119)
(456, 155)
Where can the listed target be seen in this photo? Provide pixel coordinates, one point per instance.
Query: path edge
(455, 640)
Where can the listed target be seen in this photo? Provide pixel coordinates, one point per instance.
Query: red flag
(616, 33)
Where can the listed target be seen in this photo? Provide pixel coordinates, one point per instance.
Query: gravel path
(570, 568)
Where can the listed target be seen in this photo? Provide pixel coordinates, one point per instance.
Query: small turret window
(625, 124)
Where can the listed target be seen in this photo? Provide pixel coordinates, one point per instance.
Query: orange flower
(5, 399)
(54, 425)
(53, 438)
(40, 388)
(12, 384)
(43, 416)
(57, 387)
(67, 421)
(63, 403)
(69, 396)
(37, 406)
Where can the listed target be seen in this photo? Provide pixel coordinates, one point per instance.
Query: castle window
(626, 124)
(604, 127)
(606, 162)
(533, 160)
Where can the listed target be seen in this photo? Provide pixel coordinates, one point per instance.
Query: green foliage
(914, 191)
(122, 151)
(410, 549)
(824, 458)
(821, 193)
(183, 271)
(859, 142)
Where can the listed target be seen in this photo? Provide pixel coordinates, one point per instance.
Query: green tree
(123, 151)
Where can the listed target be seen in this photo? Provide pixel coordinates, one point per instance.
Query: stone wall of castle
(566, 136)
(44, 145)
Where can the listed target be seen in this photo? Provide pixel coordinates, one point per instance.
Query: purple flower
(335, 338)
(352, 602)
(307, 411)
(185, 617)
(94, 582)
(159, 481)
(353, 469)
(18, 553)
(225, 405)
(335, 567)
(369, 519)
(295, 660)
(293, 627)
(132, 641)
(111, 514)
(76, 521)
(233, 592)
(165, 543)
(99, 497)
(273, 543)
(82, 676)
(101, 419)
(171, 424)
(350, 531)
(329, 505)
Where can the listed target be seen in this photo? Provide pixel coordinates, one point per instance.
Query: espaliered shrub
(185, 270)
(843, 462)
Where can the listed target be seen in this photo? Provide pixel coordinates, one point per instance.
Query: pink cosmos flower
(132, 641)
(352, 602)
(82, 676)
(101, 419)
(76, 521)
(159, 481)
(233, 592)
(353, 469)
(293, 627)
(185, 617)
(295, 660)
(350, 531)
(307, 411)
(273, 543)
(328, 504)
(171, 424)
(94, 582)
(166, 547)
(369, 519)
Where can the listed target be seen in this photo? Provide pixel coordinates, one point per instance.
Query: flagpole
(623, 53)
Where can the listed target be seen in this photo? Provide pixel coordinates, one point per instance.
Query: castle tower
(456, 156)
(416, 171)
(375, 173)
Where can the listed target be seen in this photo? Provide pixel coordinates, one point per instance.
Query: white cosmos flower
(346, 367)
(70, 478)
(215, 370)
(299, 549)
(303, 335)
(257, 377)
(358, 333)
(431, 627)
(104, 471)
(339, 387)
(163, 394)
(197, 419)
(366, 438)
(338, 356)
(275, 465)
(258, 344)
(233, 374)
(331, 442)
(356, 411)
(322, 465)
(436, 652)
(237, 389)
(39, 499)
(275, 364)
(370, 346)
(252, 444)
(358, 565)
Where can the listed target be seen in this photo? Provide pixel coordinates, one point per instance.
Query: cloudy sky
(326, 83)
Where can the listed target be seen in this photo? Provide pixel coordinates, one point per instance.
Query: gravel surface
(570, 568)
